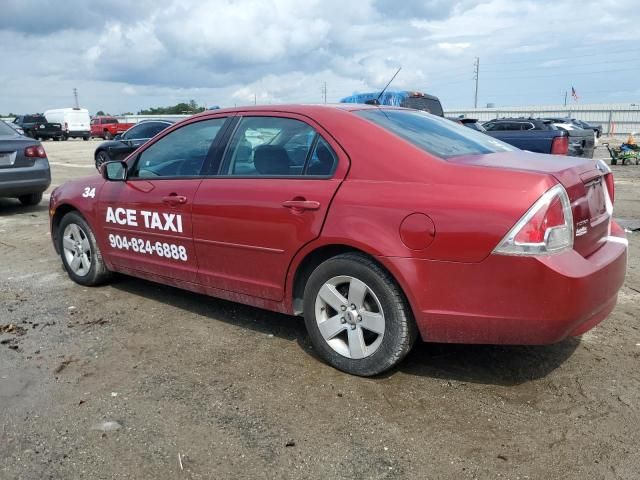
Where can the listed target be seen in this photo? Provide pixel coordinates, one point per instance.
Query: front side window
(179, 154)
(269, 146)
(435, 135)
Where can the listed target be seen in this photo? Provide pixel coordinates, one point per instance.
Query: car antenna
(376, 101)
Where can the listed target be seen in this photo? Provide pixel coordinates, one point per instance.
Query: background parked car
(24, 168)
(108, 127)
(75, 121)
(471, 123)
(530, 134)
(36, 126)
(581, 142)
(122, 145)
(597, 129)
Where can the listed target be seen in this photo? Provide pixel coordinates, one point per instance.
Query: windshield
(435, 135)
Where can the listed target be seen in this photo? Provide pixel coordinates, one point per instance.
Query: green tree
(179, 109)
(100, 113)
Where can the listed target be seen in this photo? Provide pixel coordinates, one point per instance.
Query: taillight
(546, 228)
(35, 151)
(560, 145)
(608, 179)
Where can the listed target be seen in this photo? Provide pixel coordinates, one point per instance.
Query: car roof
(303, 109)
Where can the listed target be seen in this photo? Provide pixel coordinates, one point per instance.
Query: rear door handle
(301, 204)
(174, 200)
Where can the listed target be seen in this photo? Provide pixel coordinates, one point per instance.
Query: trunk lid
(582, 180)
(12, 152)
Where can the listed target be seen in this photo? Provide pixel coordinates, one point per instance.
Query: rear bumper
(515, 300)
(25, 180)
(78, 133)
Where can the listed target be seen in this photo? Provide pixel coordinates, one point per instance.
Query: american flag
(574, 94)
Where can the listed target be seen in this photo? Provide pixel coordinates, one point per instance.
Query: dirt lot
(202, 388)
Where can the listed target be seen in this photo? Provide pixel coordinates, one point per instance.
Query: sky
(124, 56)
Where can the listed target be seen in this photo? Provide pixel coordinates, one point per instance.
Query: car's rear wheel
(30, 199)
(81, 256)
(85, 138)
(107, 135)
(102, 157)
(356, 315)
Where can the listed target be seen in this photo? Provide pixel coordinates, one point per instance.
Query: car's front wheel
(81, 256)
(30, 199)
(356, 315)
(102, 157)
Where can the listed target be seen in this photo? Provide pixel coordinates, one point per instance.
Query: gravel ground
(136, 380)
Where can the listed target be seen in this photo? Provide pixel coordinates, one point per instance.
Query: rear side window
(434, 135)
(276, 147)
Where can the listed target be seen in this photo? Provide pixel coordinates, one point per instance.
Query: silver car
(24, 168)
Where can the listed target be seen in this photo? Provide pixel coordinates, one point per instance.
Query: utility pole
(75, 96)
(324, 91)
(255, 99)
(476, 76)
(565, 98)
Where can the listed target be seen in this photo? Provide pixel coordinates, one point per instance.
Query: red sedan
(374, 223)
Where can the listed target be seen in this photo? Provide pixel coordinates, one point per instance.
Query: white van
(75, 121)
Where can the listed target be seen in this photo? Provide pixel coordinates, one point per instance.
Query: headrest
(271, 160)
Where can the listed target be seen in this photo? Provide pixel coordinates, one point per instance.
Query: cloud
(128, 55)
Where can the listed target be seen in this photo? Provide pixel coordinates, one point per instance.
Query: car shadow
(11, 206)
(481, 364)
(504, 365)
(263, 321)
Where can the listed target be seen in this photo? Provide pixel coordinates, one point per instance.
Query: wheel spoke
(75, 232)
(68, 244)
(357, 292)
(357, 347)
(75, 263)
(373, 322)
(330, 327)
(86, 264)
(86, 246)
(331, 296)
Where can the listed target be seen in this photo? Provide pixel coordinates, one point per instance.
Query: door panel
(245, 236)
(142, 224)
(275, 184)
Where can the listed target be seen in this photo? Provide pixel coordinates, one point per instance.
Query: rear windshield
(6, 129)
(429, 105)
(34, 119)
(435, 135)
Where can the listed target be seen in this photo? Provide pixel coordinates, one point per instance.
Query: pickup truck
(108, 127)
(541, 136)
(37, 127)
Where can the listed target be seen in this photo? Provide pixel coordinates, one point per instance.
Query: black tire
(400, 331)
(107, 135)
(98, 272)
(55, 139)
(86, 139)
(102, 157)
(30, 199)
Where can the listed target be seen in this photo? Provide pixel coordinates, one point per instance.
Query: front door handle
(301, 205)
(174, 199)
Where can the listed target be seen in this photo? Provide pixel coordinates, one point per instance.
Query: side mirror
(114, 171)
(118, 136)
